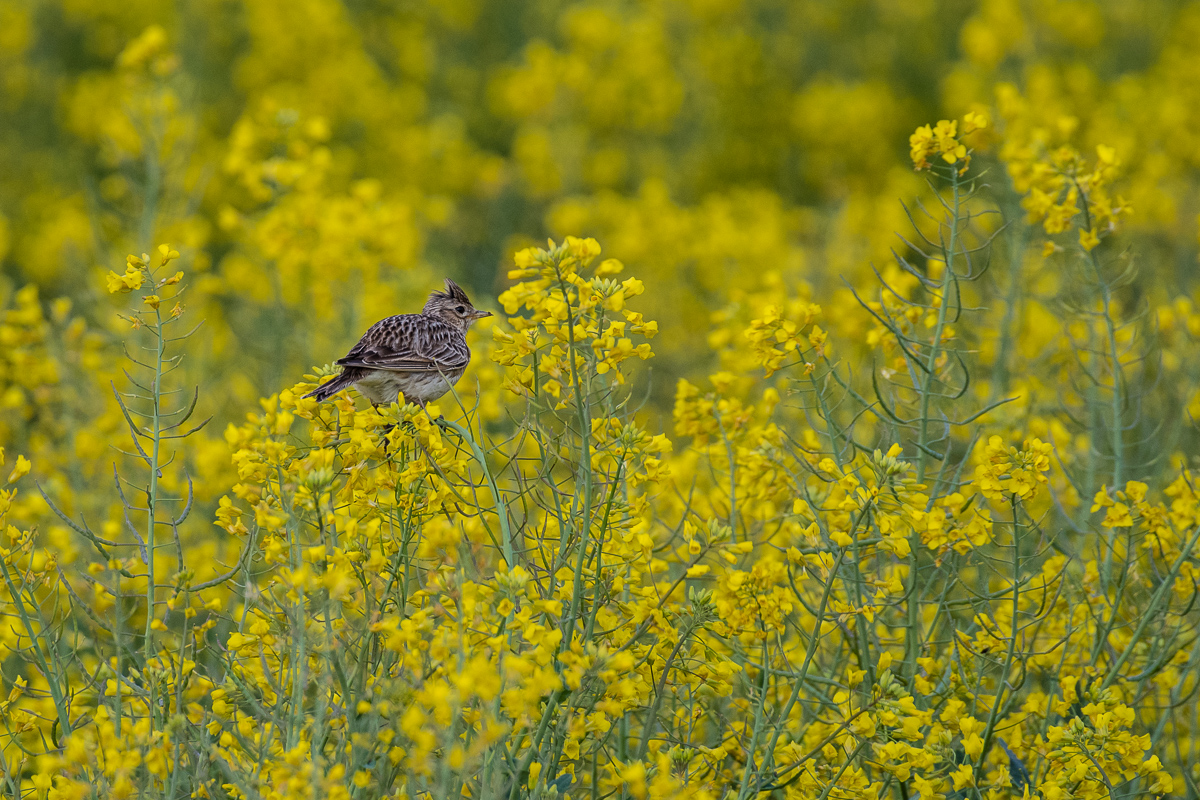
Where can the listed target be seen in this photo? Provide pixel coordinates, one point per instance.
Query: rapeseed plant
(930, 532)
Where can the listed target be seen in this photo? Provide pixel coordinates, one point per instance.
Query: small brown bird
(418, 355)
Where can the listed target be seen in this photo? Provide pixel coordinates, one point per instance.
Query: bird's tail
(332, 387)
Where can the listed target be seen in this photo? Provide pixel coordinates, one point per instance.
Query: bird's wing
(410, 343)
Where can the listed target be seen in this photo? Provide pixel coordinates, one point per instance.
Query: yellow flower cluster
(570, 319)
(1058, 185)
(779, 332)
(1012, 471)
(136, 271)
(944, 141)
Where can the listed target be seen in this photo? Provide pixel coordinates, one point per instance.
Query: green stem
(152, 492)
(64, 719)
(501, 508)
(732, 474)
(585, 461)
(1017, 243)
(1012, 645)
(935, 347)
(799, 679)
(1151, 612)
(1116, 434)
(760, 720)
(912, 642)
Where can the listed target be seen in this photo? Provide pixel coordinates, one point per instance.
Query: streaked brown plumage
(418, 355)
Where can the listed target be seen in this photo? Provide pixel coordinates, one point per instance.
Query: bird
(420, 356)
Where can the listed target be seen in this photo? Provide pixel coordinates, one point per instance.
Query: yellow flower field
(835, 436)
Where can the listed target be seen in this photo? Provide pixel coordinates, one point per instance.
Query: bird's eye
(460, 310)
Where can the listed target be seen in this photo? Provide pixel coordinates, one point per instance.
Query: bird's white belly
(384, 387)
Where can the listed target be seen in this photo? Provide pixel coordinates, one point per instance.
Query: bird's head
(453, 307)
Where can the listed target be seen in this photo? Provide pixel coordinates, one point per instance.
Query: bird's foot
(405, 426)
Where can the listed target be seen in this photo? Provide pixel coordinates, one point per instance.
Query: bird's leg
(386, 430)
(445, 426)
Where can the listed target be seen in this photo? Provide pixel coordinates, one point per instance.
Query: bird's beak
(481, 314)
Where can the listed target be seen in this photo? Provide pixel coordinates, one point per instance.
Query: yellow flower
(131, 280)
(1118, 517)
(963, 776)
(1088, 238)
(1136, 490)
(632, 287)
(609, 266)
(973, 122)
(921, 146)
(21, 469)
(168, 255)
(1101, 500)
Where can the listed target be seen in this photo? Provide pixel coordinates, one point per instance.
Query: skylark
(418, 355)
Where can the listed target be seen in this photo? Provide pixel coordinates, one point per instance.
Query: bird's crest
(453, 293)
